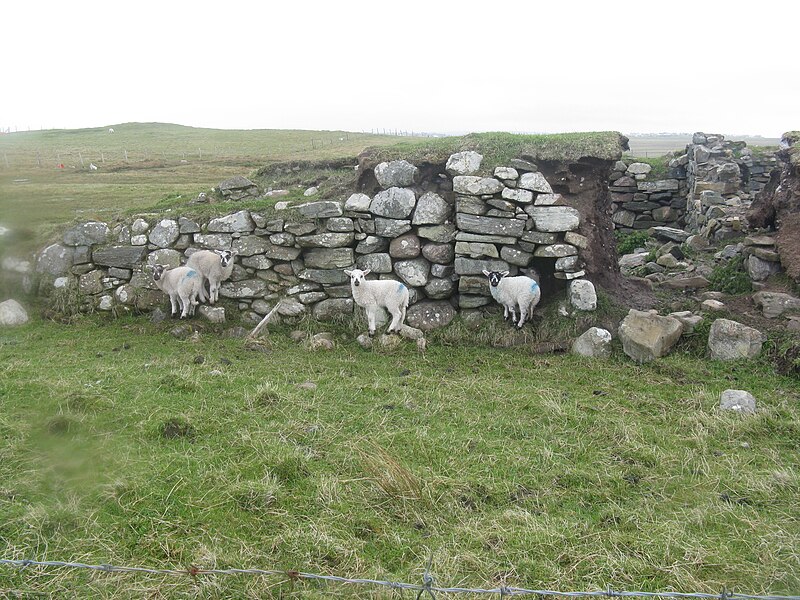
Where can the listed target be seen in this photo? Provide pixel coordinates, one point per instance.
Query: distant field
(658, 145)
(140, 164)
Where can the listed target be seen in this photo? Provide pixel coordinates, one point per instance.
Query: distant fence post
(5, 157)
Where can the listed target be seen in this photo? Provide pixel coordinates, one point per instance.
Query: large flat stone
(490, 225)
(124, 257)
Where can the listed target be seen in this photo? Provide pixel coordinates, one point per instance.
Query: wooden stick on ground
(263, 323)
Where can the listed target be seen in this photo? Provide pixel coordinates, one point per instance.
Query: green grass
(503, 465)
(731, 277)
(628, 242)
(499, 148)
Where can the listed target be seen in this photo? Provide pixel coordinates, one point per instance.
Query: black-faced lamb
(513, 292)
(181, 284)
(374, 295)
(214, 266)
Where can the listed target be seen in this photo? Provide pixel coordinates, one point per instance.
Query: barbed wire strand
(426, 587)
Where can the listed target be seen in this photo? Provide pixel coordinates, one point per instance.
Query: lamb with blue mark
(513, 292)
(374, 295)
(181, 284)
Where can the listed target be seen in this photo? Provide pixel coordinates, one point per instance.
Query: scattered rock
(364, 341)
(737, 400)
(582, 295)
(321, 341)
(646, 335)
(713, 305)
(308, 385)
(213, 314)
(12, 313)
(774, 304)
(298, 336)
(182, 331)
(729, 340)
(688, 319)
(593, 343)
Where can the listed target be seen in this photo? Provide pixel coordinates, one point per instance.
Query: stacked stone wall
(639, 203)
(436, 235)
(708, 189)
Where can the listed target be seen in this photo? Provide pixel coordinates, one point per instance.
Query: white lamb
(513, 292)
(215, 266)
(181, 284)
(374, 295)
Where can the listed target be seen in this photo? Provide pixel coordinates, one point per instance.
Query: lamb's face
(357, 276)
(495, 277)
(158, 272)
(225, 257)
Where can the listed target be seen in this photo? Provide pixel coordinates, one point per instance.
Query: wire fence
(427, 586)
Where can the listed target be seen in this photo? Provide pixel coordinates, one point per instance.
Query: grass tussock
(388, 474)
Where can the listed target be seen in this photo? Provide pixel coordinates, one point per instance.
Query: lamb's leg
(505, 313)
(173, 302)
(371, 320)
(184, 303)
(513, 314)
(523, 313)
(202, 293)
(396, 321)
(193, 302)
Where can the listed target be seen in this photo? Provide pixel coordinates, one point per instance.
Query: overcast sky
(451, 67)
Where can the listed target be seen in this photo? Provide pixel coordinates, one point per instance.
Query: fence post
(5, 156)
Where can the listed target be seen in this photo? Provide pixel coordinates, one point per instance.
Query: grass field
(505, 467)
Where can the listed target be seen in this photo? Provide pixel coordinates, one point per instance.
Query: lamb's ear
(485, 272)
(348, 273)
(504, 273)
(367, 272)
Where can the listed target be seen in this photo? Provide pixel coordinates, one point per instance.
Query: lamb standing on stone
(511, 292)
(215, 266)
(374, 295)
(181, 284)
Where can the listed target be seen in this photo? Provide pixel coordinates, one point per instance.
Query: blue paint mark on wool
(400, 288)
(534, 285)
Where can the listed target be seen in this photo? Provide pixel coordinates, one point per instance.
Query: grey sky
(424, 66)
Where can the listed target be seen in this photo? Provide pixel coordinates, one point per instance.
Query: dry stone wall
(707, 190)
(435, 237)
(639, 203)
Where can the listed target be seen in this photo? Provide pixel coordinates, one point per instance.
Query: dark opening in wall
(546, 269)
